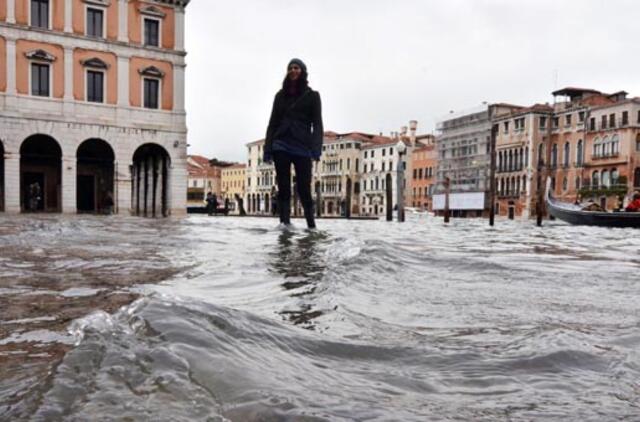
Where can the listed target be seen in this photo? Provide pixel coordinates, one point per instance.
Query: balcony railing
(603, 155)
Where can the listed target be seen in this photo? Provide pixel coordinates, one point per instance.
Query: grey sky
(380, 63)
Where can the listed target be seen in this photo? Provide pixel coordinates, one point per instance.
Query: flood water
(232, 319)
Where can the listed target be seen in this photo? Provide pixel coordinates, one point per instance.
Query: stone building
(380, 161)
(464, 146)
(233, 185)
(92, 105)
(586, 143)
(261, 181)
(337, 174)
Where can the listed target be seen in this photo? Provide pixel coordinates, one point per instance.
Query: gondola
(574, 214)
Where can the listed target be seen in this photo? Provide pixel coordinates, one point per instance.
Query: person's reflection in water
(300, 260)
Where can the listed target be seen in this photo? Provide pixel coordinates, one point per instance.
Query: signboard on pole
(461, 201)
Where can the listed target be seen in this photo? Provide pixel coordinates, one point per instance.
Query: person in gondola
(294, 137)
(634, 205)
(211, 207)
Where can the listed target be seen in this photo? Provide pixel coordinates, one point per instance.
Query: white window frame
(41, 62)
(159, 92)
(154, 18)
(104, 19)
(50, 19)
(104, 84)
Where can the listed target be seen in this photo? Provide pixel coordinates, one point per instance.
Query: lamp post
(402, 149)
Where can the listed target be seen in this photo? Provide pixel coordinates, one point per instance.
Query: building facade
(380, 161)
(261, 181)
(424, 164)
(337, 175)
(203, 178)
(464, 158)
(92, 106)
(233, 185)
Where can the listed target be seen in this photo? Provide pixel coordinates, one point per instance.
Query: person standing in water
(294, 137)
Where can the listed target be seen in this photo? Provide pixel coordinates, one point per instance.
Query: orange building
(92, 99)
(424, 159)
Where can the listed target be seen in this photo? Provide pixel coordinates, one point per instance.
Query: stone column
(123, 20)
(69, 175)
(11, 11)
(123, 81)
(178, 87)
(124, 177)
(12, 182)
(179, 44)
(68, 15)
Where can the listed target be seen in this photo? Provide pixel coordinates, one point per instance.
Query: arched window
(522, 163)
(614, 176)
(606, 147)
(565, 158)
(524, 184)
(577, 182)
(541, 154)
(565, 184)
(516, 160)
(595, 179)
(615, 145)
(500, 161)
(510, 165)
(597, 147)
(518, 185)
(579, 153)
(606, 181)
(502, 186)
(554, 155)
(638, 142)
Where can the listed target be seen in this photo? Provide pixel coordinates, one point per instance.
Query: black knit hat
(299, 63)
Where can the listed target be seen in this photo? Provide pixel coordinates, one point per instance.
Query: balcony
(603, 156)
(618, 189)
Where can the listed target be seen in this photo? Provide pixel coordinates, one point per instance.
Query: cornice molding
(152, 11)
(151, 71)
(41, 55)
(95, 62)
(103, 3)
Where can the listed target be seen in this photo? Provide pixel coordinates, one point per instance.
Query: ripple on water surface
(359, 320)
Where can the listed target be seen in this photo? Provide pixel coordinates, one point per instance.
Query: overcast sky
(380, 63)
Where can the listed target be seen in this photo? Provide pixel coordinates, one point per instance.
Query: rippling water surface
(218, 319)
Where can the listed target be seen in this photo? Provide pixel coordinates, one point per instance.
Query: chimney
(413, 126)
(403, 130)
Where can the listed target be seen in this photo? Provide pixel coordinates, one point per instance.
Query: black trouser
(303, 167)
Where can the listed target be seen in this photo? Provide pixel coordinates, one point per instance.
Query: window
(384, 151)
(151, 93)
(615, 145)
(565, 184)
(543, 123)
(95, 22)
(638, 142)
(581, 117)
(365, 155)
(592, 124)
(614, 176)
(506, 127)
(565, 158)
(40, 13)
(40, 79)
(95, 86)
(567, 119)
(595, 179)
(625, 118)
(612, 121)
(579, 153)
(604, 122)
(383, 162)
(577, 182)
(152, 32)
(364, 170)
(556, 122)
(554, 155)
(605, 178)
(390, 151)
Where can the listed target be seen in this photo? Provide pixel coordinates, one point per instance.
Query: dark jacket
(296, 122)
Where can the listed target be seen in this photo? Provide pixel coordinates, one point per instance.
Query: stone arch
(150, 181)
(95, 176)
(40, 174)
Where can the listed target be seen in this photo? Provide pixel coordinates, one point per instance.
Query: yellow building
(233, 185)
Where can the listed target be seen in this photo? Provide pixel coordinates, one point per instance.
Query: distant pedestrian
(107, 205)
(295, 136)
(240, 202)
(34, 194)
(211, 206)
